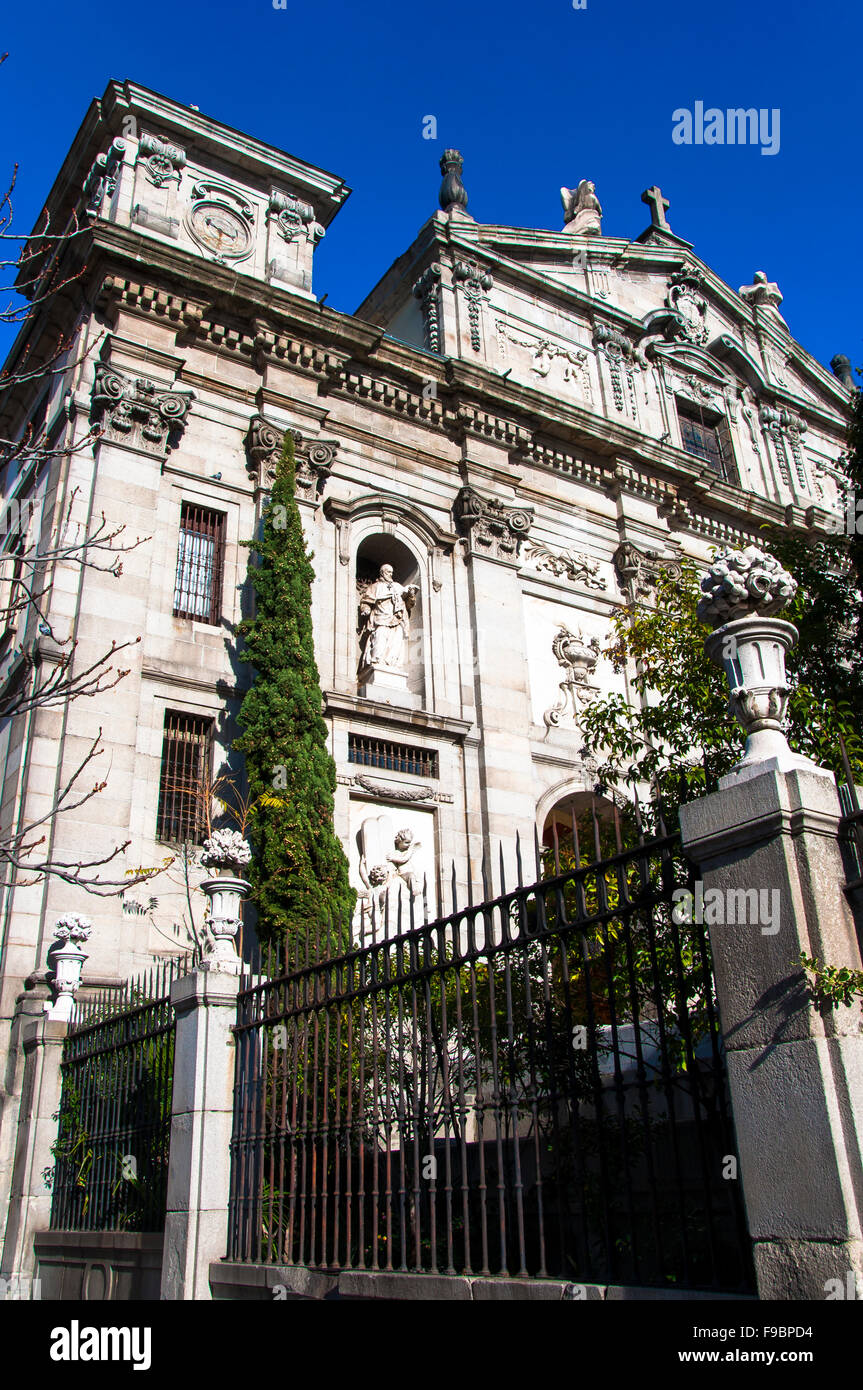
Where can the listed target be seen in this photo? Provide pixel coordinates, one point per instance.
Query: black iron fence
(114, 1130)
(532, 1085)
(851, 825)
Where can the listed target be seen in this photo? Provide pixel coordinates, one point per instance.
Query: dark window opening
(706, 436)
(187, 751)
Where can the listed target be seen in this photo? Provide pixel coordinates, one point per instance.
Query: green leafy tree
(676, 736)
(299, 873)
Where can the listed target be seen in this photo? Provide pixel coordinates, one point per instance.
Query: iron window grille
(707, 437)
(200, 559)
(187, 753)
(13, 565)
(393, 757)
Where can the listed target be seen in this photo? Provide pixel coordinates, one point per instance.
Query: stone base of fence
(276, 1283)
(99, 1266)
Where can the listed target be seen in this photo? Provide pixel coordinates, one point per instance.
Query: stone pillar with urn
(205, 1002)
(42, 1041)
(795, 1073)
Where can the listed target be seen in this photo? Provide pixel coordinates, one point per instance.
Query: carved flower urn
(742, 591)
(225, 851)
(66, 961)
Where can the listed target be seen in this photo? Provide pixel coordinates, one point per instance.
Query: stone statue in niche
(391, 896)
(385, 608)
(581, 210)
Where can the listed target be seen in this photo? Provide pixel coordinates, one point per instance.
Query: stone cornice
(220, 687)
(331, 347)
(415, 721)
(660, 473)
(336, 366)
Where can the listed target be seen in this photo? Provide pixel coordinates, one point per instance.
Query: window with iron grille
(187, 752)
(393, 757)
(13, 593)
(198, 584)
(706, 437)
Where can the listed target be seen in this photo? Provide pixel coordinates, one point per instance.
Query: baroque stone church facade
(499, 448)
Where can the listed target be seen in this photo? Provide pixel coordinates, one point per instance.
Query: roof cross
(653, 197)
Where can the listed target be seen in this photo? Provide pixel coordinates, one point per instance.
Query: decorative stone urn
(66, 963)
(742, 590)
(226, 851)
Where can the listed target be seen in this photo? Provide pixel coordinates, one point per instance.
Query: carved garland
(618, 352)
(427, 291)
(785, 429)
(473, 280)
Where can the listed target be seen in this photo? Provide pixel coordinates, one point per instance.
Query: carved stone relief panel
(638, 570)
(134, 411)
(489, 526)
(392, 863)
(314, 458)
(578, 658)
(567, 363)
(220, 221)
(578, 568)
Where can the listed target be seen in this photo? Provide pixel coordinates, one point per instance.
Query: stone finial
(764, 293)
(453, 195)
(581, 209)
(742, 583)
(66, 961)
(840, 366)
(226, 849)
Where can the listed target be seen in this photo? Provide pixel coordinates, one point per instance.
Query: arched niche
(374, 553)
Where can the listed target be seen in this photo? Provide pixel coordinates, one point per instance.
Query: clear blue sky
(535, 95)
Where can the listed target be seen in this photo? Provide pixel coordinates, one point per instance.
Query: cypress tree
(299, 872)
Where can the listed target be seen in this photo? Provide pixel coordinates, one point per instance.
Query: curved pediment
(729, 351)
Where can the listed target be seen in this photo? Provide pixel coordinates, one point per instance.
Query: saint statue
(384, 620)
(581, 210)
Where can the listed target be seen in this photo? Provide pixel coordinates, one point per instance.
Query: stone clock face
(221, 230)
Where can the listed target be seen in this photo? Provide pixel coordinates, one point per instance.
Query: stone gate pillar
(773, 886)
(202, 1105)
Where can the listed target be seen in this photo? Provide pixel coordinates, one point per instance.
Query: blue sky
(535, 95)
